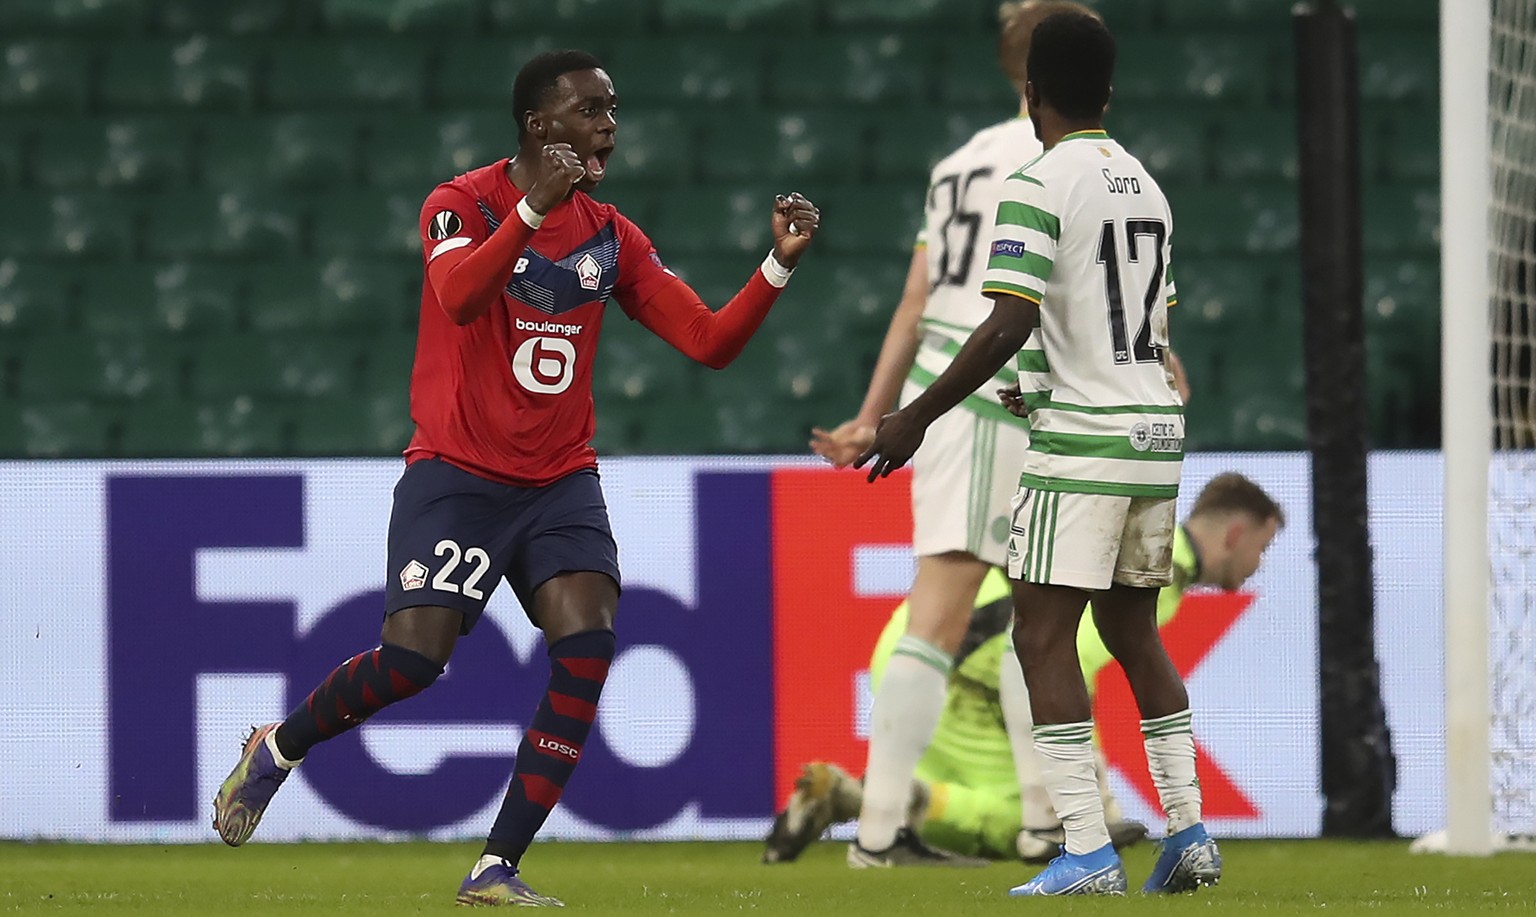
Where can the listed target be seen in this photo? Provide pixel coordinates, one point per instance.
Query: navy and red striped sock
(354, 691)
(551, 746)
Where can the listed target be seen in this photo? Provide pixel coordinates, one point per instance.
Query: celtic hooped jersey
(1084, 231)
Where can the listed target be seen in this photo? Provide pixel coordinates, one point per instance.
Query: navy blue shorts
(454, 535)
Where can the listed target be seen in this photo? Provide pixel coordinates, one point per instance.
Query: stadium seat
(881, 220)
(418, 152)
(716, 280)
(293, 150)
(148, 153)
(239, 426)
(853, 296)
(368, 223)
(656, 146)
(480, 71)
(52, 429)
(1170, 142)
(402, 16)
(908, 142)
(240, 17)
(192, 71)
(693, 221)
(826, 70)
(345, 426)
(75, 16)
(49, 75)
(196, 223)
(119, 366)
(634, 367)
(1256, 146)
(1399, 66)
(118, 299)
(265, 365)
(1402, 300)
(1372, 14)
(1234, 15)
(1215, 220)
(143, 298)
(10, 159)
(34, 296)
(679, 72)
(340, 294)
(346, 73)
(1203, 67)
(804, 147)
(1215, 294)
(68, 224)
(1409, 144)
(1269, 421)
(569, 16)
(1403, 221)
(387, 360)
(968, 74)
(710, 16)
(193, 296)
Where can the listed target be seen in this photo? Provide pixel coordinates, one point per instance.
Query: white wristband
(530, 216)
(775, 273)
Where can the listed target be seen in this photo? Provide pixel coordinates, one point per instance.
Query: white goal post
(1488, 409)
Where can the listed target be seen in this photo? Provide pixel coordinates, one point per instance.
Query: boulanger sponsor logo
(445, 224)
(548, 328)
(545, 365)
(1156, 437)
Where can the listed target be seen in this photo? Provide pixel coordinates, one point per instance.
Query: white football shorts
(964, 477)
(1089, 541)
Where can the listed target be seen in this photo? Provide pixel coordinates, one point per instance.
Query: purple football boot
(498, 885)
(248, 788)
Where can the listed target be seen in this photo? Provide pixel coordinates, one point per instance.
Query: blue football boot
(1187, 861)
(498, 885)
(1095, 873)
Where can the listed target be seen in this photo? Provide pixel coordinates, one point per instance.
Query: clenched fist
(795, 220)
(556, 171)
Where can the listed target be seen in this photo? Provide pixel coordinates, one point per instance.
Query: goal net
(1512, 475)
(1488, 176)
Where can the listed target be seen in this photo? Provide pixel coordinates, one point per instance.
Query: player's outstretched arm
(469, 280)
(844, 443)
(993, 343)
(677, 315)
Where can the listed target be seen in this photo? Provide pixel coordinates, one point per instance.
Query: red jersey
(508, 396)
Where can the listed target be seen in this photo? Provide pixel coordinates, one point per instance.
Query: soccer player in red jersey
(500, 478)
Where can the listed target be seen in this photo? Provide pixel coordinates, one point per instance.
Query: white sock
(1036, 813)
(1066, 751)
(1112, 811)
(906, 711)
(277, 756)
(486, 862)
(1171, 759)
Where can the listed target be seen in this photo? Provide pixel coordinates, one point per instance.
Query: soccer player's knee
(417, 672)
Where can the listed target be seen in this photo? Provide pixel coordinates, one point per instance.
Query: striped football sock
(1171, 758)
(905, 713)
(1066, 753)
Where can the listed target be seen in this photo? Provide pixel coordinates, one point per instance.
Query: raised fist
(556, 171)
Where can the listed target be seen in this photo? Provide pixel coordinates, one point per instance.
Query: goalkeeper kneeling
(966, 796)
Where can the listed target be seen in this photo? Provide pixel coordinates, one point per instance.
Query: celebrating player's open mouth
(596, 163)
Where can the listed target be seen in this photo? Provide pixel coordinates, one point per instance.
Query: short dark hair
(1230, 492)
(539, 76)
(1072, 63)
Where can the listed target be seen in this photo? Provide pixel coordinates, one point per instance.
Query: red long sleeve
(467, 285)
(677, 315)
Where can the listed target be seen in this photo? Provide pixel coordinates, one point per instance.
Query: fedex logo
(711, 655)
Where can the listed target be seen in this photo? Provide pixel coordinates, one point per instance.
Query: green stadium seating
(878, 220)
(654, 146)
(347, 73)
(1170, 142)
(634, 366)
(1235, 15)
(369, 223)
(231, 223)
(1198, 67)
(578, 16)
(296, 150)
(779, 16)
(118, 299)
(1218, 220)
(1215, 295)
(342, 294)
(241, 17)
(693, 221)
(680, 72)
(1372, 14)
(10, 159)
(971, 76)
(908, 143)
(853, 297)
(387, 360)
(1399, 66)
(145, 153)
(418, 152)
(78, 16)
(67, 225)
(34, 296)
(1402, 303)
(891, 69)
(1268, 421)
(349, 426)
(402, 16)
(479, 72)
(1409, 139)
(192, 71)
(192, 296)
(122, 366)
(804, 147)
(1256, 146)
(238, 426)
(46, 74)
(144, 298)
(916, 14)
(264, 365)
(1402, 221)
(52, 429)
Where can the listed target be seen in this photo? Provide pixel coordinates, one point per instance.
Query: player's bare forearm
(899, 348)
(989, 348)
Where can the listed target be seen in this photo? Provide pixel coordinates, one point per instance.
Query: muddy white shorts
(1089, 541)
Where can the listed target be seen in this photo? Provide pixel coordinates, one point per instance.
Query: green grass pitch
(279, 880)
